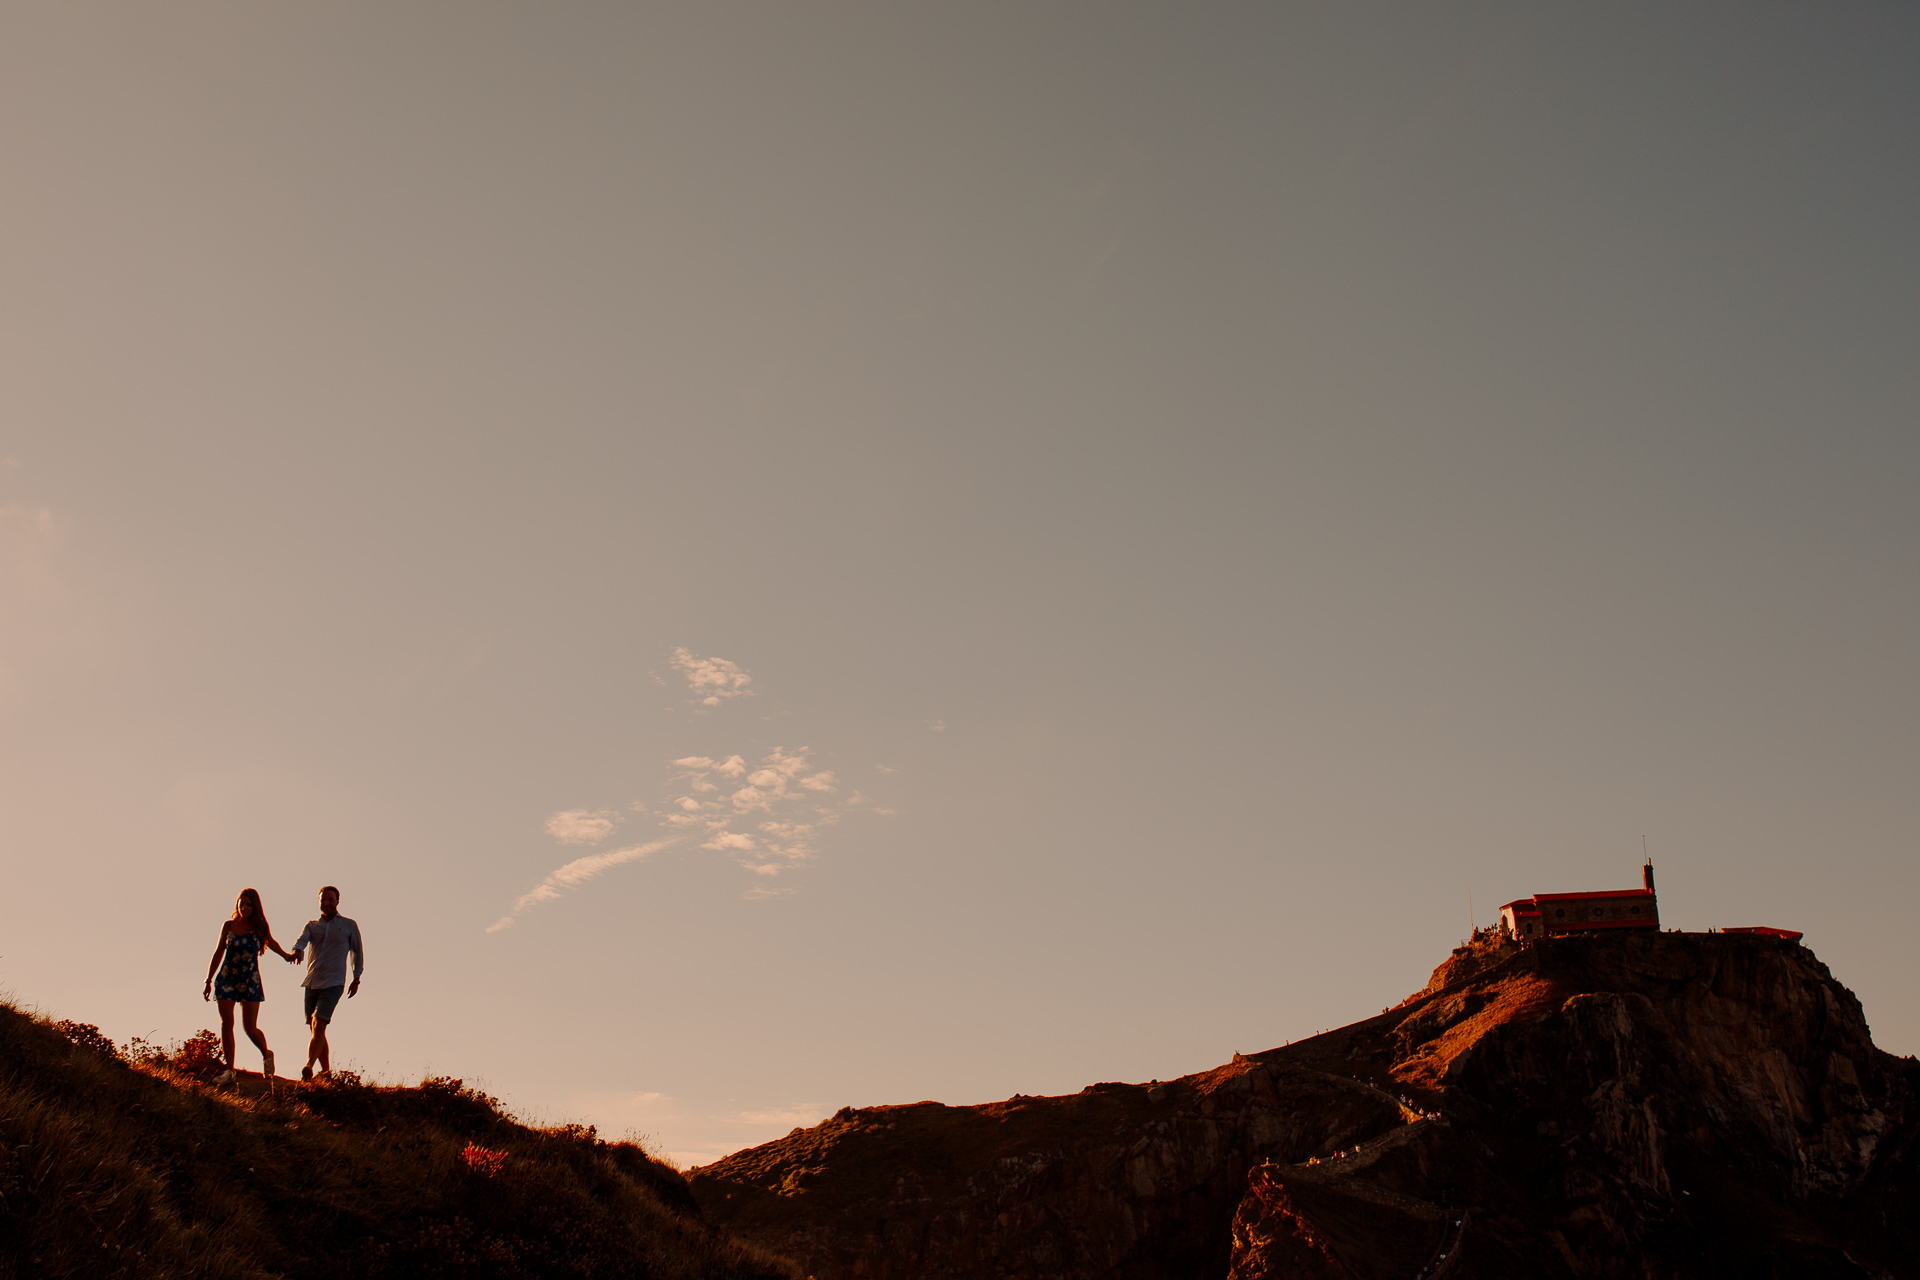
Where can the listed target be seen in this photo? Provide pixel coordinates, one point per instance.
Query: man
(334, 937)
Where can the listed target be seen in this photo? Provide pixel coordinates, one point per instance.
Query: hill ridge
(117, 1168)
(1659, 1104)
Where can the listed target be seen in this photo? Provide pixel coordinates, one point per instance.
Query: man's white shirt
(332, 940)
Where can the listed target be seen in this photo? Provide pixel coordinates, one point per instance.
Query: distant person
(333, 937)
(242, 939)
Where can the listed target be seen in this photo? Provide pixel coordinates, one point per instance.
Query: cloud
(565, 879)
(784, 798)
(712, 680)
(699, 766)
(776, 779)
(881, 768)
(938, 726)
(790, 840)
(783, 787)
(582, 826)
(805, 1114)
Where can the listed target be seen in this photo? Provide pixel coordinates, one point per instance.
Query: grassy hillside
(128, 1163)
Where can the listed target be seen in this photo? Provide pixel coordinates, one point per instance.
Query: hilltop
(1625, 1105)
(1628, 1104)
(125, 1163)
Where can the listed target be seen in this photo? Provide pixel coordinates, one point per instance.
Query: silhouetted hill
(1642, 1105)
(112, 1168)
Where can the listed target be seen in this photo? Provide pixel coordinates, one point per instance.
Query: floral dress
(240, 973)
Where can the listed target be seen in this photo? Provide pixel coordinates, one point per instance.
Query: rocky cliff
(1645, 1105)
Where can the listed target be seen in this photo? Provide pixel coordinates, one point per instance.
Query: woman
(242, 939)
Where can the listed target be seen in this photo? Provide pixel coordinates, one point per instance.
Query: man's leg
(306, 998)
(317, 1046)
(320, 1006)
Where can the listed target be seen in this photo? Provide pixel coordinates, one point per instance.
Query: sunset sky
(786, 556)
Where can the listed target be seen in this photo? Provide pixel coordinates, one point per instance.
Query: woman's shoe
(266, 1056)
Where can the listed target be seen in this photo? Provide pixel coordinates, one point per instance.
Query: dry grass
(117, 1163)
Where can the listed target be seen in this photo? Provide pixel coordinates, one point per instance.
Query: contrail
(576, 873)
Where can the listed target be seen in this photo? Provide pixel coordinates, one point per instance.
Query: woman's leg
(226, 1031)
(250, 1020)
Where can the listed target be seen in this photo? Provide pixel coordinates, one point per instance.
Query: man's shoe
(266, 1058)
(306, 1072)
(224, 1080)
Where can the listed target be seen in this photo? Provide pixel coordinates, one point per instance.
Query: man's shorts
(321, 1000)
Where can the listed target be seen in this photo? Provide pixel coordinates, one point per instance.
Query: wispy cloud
(784, 798)
(774, 780)
(766, 816)
(708, 1135)
(712, 680)
(582, 826)
(565, 879)
(804, 1114)
(731, 767)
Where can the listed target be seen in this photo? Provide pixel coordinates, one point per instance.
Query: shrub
(146, 1053)
(87, 1036)
(482, 1161)
(447, 1101)
(198, 1055)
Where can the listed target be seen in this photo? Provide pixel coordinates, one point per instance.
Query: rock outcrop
(1627, 1105)
(1123, 1180)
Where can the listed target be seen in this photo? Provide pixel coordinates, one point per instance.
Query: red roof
(1598, 893)
(1583, 926)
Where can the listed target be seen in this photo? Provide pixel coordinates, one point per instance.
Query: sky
(791, 556)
